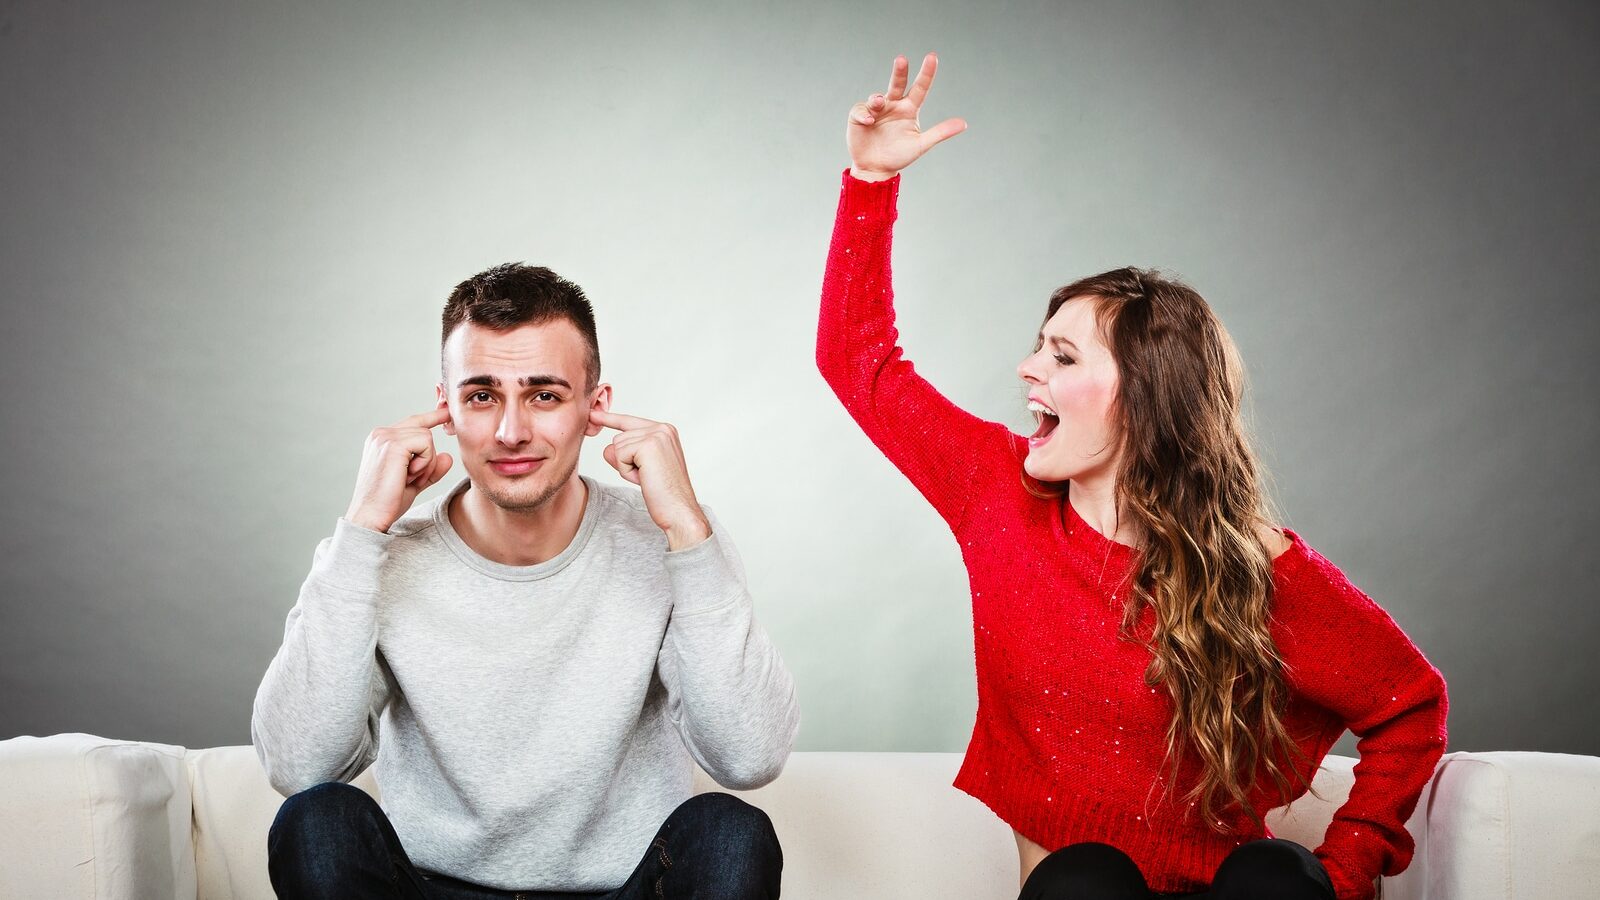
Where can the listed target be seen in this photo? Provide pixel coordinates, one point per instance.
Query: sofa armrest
(1512, 825)
(93, 818)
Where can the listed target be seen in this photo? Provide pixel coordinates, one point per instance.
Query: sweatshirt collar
(501, 571)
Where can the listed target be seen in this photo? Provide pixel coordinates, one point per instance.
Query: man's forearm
(311, 721)
(734, 699)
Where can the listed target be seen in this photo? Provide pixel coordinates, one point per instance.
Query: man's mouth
(515, 465)
(1048, 420)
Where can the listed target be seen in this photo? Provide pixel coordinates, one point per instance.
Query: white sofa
(93, 818)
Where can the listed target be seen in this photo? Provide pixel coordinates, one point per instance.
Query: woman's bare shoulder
(1273, 538)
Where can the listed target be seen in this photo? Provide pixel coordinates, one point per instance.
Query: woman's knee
(1088, 870)
(1271, 867)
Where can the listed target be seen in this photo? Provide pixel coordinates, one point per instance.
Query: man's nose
(516, 427)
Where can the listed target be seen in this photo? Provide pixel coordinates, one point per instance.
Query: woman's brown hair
(1188, 483)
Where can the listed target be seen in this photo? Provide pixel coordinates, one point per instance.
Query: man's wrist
(355, 518)
(683, 535)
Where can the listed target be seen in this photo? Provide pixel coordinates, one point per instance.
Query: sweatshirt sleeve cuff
(702, 577)
(355, 557)
(864, 200)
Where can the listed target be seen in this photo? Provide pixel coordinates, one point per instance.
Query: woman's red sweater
(1069, 742)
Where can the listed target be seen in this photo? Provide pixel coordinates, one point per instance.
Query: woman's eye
(1064, 359)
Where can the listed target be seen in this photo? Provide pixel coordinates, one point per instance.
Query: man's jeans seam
(666, 863)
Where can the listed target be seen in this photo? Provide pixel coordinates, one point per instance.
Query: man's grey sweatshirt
(532, 726)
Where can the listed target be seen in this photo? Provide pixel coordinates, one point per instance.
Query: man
(533, 661)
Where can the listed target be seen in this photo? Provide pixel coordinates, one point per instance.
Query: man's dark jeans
(332, 840)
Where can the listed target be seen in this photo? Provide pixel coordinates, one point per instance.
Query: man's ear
(444, 403)
(601, 401)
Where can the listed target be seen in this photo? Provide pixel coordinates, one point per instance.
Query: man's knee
(1088, 869)
(321, 815)
(724, 847)
(730, 823)
(324, 840)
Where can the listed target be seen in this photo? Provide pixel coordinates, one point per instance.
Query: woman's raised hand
(883, 135)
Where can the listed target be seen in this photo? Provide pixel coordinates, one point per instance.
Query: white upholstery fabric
(1305, 821)
(1519, 826)
(233, 808)
(91, 818)
(851, 824)
(884, 825)
(88, 818)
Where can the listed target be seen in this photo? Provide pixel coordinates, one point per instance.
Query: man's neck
(519, 537)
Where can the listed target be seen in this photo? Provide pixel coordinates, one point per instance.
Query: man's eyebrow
(543, 381)
(525, 381)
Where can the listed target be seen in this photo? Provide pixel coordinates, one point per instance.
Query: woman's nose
(1025, 370)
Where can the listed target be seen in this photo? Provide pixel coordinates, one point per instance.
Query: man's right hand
(397, 464)
(883, 135)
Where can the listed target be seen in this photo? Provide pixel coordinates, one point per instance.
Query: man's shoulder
(623, 506)
(418, 521)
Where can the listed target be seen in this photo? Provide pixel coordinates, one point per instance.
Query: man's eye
(480, 396)
(546, 397)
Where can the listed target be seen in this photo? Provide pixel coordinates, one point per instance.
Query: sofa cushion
(233, 808)
(93, 818)
(1306, 820)
(852, 824)
(884, 825)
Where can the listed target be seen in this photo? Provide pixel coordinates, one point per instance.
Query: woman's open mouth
(1048, 420)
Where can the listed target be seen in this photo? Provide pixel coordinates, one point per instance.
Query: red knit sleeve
(933, 442)
(1348, 656)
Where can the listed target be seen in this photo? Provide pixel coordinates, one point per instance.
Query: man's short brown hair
(515, 294)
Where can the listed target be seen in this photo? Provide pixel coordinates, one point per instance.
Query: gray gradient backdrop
(228, 233)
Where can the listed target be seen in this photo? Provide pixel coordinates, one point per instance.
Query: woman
(1158, 666)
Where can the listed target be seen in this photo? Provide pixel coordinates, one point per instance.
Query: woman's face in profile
(1072, 388)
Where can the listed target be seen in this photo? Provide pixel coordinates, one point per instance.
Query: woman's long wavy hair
(1188, 482)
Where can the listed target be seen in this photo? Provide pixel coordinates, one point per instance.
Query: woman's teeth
(1047, 422)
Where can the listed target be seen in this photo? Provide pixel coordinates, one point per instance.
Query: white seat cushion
(884, 825)
(851, 824)
(233, 808)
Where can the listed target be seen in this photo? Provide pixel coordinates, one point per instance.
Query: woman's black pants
(1270, 869)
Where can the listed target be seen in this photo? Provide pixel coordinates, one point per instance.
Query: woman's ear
(601, 401)
(444, 403)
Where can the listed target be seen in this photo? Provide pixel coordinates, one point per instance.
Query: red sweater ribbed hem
(1174, 857)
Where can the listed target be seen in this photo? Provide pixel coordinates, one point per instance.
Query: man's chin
(520, 493)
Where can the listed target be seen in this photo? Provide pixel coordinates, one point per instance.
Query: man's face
(519, 407)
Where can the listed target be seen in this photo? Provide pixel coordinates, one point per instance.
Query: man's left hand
(648, 454)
